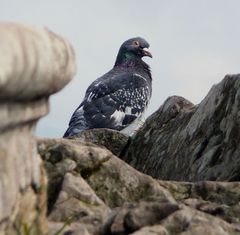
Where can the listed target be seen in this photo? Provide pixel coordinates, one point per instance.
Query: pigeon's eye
(136, 43)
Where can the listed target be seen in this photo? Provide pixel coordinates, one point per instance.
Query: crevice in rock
(54, 188)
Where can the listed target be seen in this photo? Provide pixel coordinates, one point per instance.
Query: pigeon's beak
(146, 52)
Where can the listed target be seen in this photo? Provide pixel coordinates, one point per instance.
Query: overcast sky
(194, 44)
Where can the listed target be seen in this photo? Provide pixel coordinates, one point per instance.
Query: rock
(135, 216)
(112, 179)
(207, 207)
(116, 183)
(86, 180)
(62, 156)
(114, 141)
(78, 202)
(191, 143)
(132, 217)
(217, 198)
(103, 195)
(188, 221)
(149, 213)
(67, 229)
(151, 230)
(43, 61)
(34, 63)
(218, 192)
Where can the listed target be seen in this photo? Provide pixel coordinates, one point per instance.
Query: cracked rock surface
(187, 142)
(91, 191)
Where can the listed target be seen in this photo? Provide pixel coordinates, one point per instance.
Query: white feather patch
(118, 117)
(128, 111)
(135, 125)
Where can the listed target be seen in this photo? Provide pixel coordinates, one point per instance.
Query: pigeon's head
(135, 47)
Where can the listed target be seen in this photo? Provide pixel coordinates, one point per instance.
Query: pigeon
(118, 99)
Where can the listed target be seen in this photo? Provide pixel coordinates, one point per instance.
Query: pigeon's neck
(126, 60)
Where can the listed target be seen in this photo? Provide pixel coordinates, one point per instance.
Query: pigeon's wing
(116, 102)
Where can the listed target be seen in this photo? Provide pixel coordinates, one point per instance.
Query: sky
(194, 44)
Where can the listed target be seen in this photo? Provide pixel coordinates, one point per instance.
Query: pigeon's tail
(77, 124)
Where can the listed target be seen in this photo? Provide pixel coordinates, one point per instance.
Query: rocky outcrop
(91, 191)
(34, 63)
(182, 141)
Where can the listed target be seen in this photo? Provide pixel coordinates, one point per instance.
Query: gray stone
(67, 229)
(105, 196)
(114, 141)
(151, 230)
(112, 179)
(188, 221)
(34, 63)
(78, 202)
(43, 62)
(133, 217)
(185, 142)
(150, 213)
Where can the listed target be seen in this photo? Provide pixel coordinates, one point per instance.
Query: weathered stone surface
(190, 221)
(219, 192)
(217, 198)
(34, 63)
(133, 216)
(104, 196)
(186, 142)
(114, 141)
(151, 230)
(116, 183)
(78, 202)
(173, 218)
(112, 180)
(67, 229)
(148, 214)
(43, 61)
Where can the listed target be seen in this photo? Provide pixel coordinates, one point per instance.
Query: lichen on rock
(187, 142)
(104, 195)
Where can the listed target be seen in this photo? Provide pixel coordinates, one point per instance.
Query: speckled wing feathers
(112, 101)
